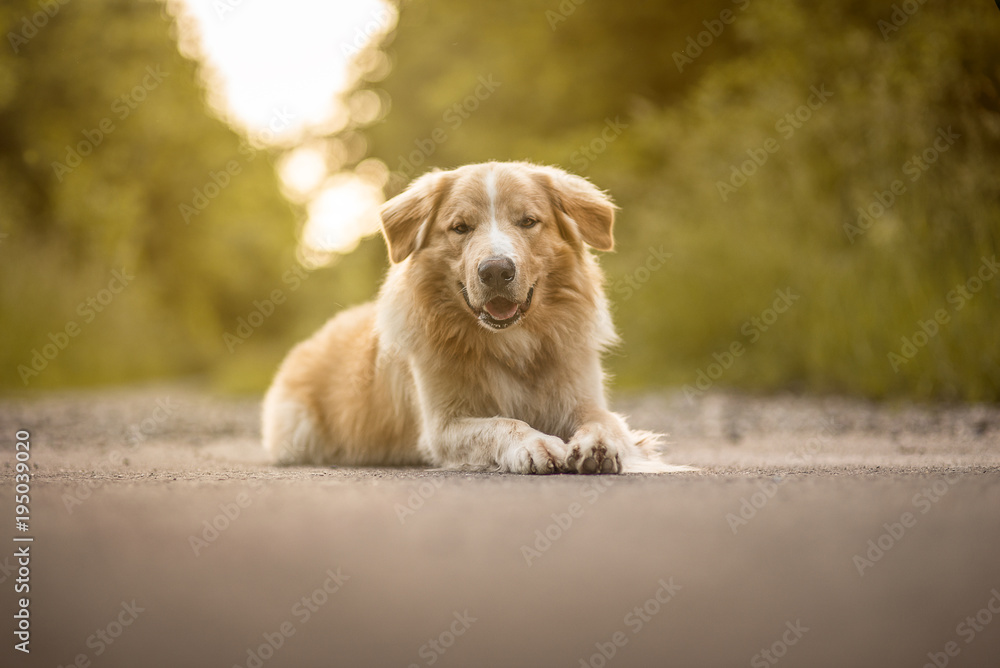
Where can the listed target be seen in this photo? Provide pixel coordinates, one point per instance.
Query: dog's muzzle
(499, 312)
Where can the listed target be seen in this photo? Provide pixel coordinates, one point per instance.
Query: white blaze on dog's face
(493, 224)
(494, 232)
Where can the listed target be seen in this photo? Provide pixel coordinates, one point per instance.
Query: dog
(483, 348)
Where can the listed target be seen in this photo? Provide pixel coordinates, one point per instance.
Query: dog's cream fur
(462, 368)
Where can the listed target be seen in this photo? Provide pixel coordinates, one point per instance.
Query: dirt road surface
(817, 532)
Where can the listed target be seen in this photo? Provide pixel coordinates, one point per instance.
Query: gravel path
(816, 532)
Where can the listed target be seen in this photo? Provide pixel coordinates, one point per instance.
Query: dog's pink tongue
(501, 309)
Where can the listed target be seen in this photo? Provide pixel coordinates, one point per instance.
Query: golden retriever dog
(483, 348)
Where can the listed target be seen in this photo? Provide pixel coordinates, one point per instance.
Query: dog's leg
(604, 444)
(289, 430)
(598, 445)
(499, 444)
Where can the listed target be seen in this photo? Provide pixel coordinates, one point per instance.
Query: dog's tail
(645, 457)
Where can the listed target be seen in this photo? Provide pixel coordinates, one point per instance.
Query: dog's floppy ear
(591, 213)
(406, 218)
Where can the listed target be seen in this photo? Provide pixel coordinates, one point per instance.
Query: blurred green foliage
(662, 105)
(740, 139)
(109, 161)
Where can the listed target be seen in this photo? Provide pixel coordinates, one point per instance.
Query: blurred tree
(854, 164)
(110, 163)
(534, 80)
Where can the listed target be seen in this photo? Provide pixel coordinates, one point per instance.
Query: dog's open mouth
(500, 312)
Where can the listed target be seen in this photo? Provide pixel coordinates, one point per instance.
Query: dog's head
(498, 233)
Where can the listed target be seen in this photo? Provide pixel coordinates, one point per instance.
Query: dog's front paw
(595, 448)
(539, 454)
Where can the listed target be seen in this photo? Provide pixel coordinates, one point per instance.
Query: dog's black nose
(496, 272)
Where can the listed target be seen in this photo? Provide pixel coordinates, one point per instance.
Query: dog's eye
(528, 222)
(460, 228)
